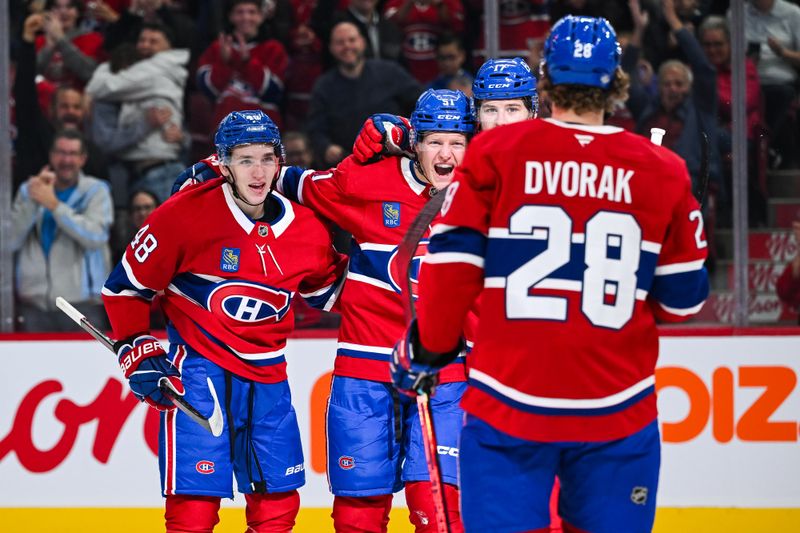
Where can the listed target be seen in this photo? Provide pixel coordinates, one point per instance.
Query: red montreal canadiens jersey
(576, 239)
(228, 281)
(375, 203)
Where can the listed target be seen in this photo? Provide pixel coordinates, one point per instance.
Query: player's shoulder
(304, 220)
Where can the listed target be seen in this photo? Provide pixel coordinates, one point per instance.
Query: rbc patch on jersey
(391, 214)
(230, 260)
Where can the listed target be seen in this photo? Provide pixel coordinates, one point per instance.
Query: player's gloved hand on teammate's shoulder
(144, 362)
(382, 134)
(198, 173)
(414, 369)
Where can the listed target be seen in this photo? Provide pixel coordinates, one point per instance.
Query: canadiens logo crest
(391, 214)
(396, 270)
(230, 260)
(242, 302)
(204, 467)
(346, 462)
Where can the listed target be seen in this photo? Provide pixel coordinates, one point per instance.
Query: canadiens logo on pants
(346, 462)
(204, 467)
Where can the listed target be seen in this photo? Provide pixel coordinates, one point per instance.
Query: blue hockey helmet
(504, 79)
(246, 127)
(582, 51)
(443, 111)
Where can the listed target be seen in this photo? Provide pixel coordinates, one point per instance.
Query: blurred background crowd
(112, 99)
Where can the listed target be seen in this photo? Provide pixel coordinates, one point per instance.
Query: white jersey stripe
(561, 403)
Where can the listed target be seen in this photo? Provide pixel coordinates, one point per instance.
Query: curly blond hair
(583, 98)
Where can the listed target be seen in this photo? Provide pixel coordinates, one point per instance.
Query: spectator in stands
(241, 70)
(34, 129)
(298, 149)
(714, 36)
(686, 105)
(450, 56)
(788, 284)
(347, 94)
(128, 26)
(305, 64)
(60, 224)
(422, 23)
(523, 24)
(772, 30)
(67, 54)
(463, 83)
(155, 81)
(142, 202)
(383, 38)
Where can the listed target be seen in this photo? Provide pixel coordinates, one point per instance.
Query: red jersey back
(576, 238)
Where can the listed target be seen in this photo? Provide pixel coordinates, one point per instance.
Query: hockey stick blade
(212, 424)
(407, 248)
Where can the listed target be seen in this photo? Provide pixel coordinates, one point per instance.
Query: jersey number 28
(606, 274)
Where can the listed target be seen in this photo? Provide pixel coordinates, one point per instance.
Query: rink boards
(76, 452)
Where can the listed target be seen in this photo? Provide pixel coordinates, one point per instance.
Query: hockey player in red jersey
(575, 237)
(374, 437)
(230, 255)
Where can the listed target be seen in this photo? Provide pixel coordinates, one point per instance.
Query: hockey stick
(405, 256)
(213, 424)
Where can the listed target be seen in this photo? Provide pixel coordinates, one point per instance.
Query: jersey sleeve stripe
(454, 257)
(677, 268)
(131, 276)
(530, 400)
(459, 240)
(370, 281)
(683, 312)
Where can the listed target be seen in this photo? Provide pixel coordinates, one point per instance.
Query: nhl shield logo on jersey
(639, 495)
(263, 230)
(391, 214)
(230, 260)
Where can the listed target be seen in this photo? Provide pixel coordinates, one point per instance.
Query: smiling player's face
(439, 154)
(254, 167)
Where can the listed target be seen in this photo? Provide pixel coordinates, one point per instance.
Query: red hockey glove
(382, 134)
(144, 362)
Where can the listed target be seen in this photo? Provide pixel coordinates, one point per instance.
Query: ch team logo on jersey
(229, 262)
(396, 270)
(346, 462)
(391, 214)
(249, 303)
(204, 467)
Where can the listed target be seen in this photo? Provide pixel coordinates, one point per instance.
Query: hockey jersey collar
(410, 175)
(278, 226)
(602, 129)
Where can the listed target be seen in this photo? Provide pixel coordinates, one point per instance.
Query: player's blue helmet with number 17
(581, 51)
(505, 79)
(442, 111)
(246, 127)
